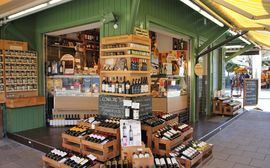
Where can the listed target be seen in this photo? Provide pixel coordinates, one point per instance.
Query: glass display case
(73, 85)
(168, 86)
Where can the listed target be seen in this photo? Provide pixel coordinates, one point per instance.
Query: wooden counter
(169, 104)
(71, 104)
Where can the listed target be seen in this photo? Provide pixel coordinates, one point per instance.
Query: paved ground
(243, 144)
(15, 155)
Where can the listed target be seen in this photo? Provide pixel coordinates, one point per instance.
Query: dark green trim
(134, 12)
(193, 83)
(221, 68)
(247, 47)
(215, 36)
(209, 83)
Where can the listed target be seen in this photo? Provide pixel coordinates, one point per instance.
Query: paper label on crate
(127, 103)
(173, 82)
(135, 105)
(92, 157)
(62, 160)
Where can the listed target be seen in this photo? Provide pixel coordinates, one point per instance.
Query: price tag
(127, 103)
(92, 157)
(135, 105)
(173, 82)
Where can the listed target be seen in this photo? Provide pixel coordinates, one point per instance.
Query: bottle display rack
(125, 61)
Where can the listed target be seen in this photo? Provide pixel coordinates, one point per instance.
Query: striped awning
(251, 15)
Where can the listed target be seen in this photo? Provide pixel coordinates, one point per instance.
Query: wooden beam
(247, 47)
(211, 40)
(134, 11)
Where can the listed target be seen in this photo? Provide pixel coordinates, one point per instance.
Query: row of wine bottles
(61, 120)
(166, 162)
(153, 121)
(78, 131)
(168, 133)
(185, 152)
(111, 123)
(118, 163)
(113, 85)
(100, 138)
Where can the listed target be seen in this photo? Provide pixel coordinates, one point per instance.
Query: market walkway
(15, 155)
(245, 143)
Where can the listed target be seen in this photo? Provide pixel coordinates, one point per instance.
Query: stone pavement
(15, 155)
(245, 143)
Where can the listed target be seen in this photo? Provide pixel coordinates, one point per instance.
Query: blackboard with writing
(250, 92)
(113, 106)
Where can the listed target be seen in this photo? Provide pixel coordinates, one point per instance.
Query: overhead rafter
(241, 51)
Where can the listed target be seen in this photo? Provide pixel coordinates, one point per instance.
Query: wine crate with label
(125, 66)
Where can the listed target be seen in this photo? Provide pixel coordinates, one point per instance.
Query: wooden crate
(140, 162)
(97, 165)
(114, 132)
(207, 154)
(196, 162)
(13, 45)
(217, 106)
(87, 125)
(47, 162)
(164, 147)
(231, 110)
(102, 152)
(149, 133)
(2, 97)
(187, 136)
(72, 143)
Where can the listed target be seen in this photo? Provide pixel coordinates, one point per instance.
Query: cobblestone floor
(245, 143)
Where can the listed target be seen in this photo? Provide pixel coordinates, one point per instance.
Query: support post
(134, 11)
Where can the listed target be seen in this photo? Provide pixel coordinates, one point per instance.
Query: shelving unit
(127, 44)
(20, 73)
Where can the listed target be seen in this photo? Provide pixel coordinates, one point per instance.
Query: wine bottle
(130, 136)
(127, 87)
(125, 163)
(117, 85)
(112, 86)
(61, 68)
(103, 85)
(49, 68)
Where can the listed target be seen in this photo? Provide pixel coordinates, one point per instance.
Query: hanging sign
(198, 69)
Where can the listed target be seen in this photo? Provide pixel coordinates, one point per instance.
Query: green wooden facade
(171, 15)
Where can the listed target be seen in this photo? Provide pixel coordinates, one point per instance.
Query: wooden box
(207, 154)
(103, 152)
(150, 132)
(169, 104)
(25, 102)
(97, 165)
(217, 106)
(196, 162)
(72, 143)
(47, 162)
(13, 45)
(231, 110)
(140, 162)
(187, 136)
(115, 132)
(2, 97)
(164, 147)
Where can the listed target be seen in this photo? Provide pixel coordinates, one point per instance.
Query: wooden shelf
(125, 95)
(125, 48)
(124, 72)
(61, 46)
(21, 76)
(21, 84)
(21, 70)
(25, 101)
(18, 56)
(33, 90)
(125, 56)
(22, 63)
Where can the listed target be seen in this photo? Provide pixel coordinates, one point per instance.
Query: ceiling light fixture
(202, 12)
(35, 8)
(54, 1)
(241, 38)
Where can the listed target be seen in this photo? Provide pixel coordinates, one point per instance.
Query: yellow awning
(251, 15)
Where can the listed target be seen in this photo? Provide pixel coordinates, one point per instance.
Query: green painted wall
(170, 14)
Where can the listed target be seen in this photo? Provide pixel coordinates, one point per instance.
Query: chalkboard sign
(145, 104)
(250, 92)
(113, 106)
